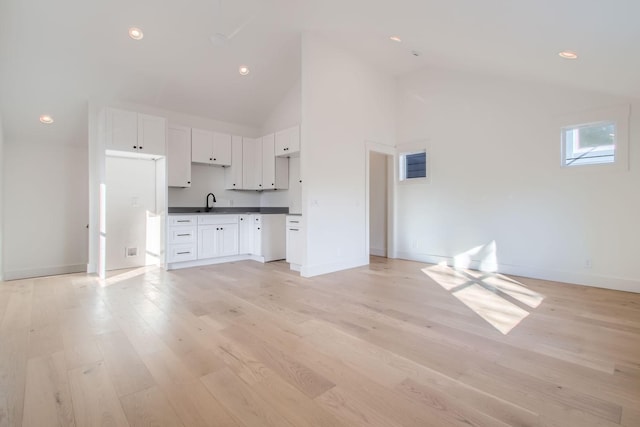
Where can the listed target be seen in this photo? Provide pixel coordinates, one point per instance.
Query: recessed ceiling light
(395, 39)
(243, 70)
(567, 54)
(136, 33)
(46, 119)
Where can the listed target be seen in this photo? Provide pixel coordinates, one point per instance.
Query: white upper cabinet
(179, 156)
(275, 171)
(252, 164)
(152, 134)
(233, 174)
(135, 132)
(121, 130)
(209, 147)
(287, 142)
(268, 163)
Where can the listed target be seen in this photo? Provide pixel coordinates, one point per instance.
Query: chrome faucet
(214, 200)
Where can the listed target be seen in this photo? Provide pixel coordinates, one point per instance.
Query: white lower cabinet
(269, 236)
(182, 239)
(217, 236)
(245, 233)
(205, 239)
(295, 241)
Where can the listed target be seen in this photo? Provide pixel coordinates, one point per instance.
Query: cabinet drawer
(182, 220)
(294, 221)
(178, 253)
(182, 235)
(217, 219)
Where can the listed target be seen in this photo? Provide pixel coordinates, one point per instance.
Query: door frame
(371, 146)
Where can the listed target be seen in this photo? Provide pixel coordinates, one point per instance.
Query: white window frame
(408, 148)
(619, 116)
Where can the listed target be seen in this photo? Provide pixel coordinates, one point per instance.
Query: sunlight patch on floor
(492, 296)
(120, 277)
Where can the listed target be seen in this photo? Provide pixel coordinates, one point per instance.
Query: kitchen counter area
(227, 210)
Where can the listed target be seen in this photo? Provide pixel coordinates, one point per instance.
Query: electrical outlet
(588, 263)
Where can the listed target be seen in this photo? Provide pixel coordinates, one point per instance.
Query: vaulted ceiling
(54, 56)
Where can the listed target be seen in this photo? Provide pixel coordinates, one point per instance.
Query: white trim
(45, 271)
(317, 270)
(576, 278)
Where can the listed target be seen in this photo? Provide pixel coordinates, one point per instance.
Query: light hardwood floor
(396, 343)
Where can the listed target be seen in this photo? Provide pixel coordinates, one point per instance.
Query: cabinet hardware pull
(135, 146)
(294, 229)
(182, 235)
(215, 159)
(210, 158)
(141, 147)
(184, 220)
(188, 182)
(295, 222)
(183, 253)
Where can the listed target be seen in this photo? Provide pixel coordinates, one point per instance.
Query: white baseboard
(45, 271)
(213, 261)
(573, 277)
(378, 252)
(317, 270)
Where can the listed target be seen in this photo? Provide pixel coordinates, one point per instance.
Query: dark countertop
(227, 210)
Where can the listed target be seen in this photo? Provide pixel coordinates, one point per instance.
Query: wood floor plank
(13, 358)
(243, 403)
(126, 370)
(196, 407)
(149, 408)
(95, 401)
(47, 394)
(297, 374)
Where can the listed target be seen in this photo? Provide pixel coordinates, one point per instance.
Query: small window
(413, 165)
(589, 144)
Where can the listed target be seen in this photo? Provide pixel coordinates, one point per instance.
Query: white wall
(131, 201)
(45, 208)
(378, 204)
(345, 102)
(287, 113)
(496, 177)
(207, 179)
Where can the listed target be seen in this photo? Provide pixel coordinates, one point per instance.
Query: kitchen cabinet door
(245, 235)
(287, 142)
(152, 134)
(201, 146)
(208, 241)
(275, 170)
(268, 163)
(252, 164)
(233, 174)
(121, 130)
(221, 149)
(179, 156)
(227, 240)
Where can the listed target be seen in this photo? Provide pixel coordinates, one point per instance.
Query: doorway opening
(133, 220)
(380, 186)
